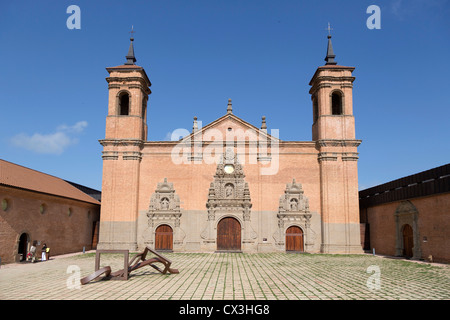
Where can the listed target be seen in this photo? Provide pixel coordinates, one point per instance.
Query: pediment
(229, 127)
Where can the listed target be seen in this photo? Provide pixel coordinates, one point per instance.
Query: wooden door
(164, 238)
(294, 239)
(229, 235)
(408, 240)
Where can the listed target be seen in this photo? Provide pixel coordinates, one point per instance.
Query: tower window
(315, 110)
(336, 103)
(124, 104)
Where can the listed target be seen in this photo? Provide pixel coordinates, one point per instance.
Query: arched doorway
(408, 241)
(294, 239)
(23, 246)
(407, 232)
(229, 235)
(164, 238)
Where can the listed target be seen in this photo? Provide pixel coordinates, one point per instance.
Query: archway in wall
(294, 239)
(24, 240)
(164, 238)
(229, 235)
(407, 233)
(408, 241)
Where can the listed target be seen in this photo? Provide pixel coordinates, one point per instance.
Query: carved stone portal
(164, 209)
(407, 213)
(294, 211)
(229, 196)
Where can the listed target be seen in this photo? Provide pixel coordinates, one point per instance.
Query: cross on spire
(329, 29)
(132, 31)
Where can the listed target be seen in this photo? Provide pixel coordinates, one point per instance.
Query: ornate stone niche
(294, 210)
(164, 209)
(407, 213)
(229, 195)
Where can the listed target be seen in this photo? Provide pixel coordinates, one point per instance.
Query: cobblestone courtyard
(232, 276)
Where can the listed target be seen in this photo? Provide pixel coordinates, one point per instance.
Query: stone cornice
(122, 142)
(127, 79)
(333, 156)
(130, 82)
(338, 143)
(327, 156)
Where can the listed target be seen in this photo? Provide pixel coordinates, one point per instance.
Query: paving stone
(233, 276)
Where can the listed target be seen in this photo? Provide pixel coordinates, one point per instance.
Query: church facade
(229, 185)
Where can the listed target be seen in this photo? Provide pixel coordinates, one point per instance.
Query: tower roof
(330, 53)
(131, 59)
(130, 64)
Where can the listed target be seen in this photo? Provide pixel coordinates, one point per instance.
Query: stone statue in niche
(229, 190)
(294, 205)
(164, 204)
(293, 199)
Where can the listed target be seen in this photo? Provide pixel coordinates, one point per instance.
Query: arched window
(124, 104)
(336, 103)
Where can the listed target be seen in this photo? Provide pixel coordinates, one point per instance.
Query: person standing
(44, 254)
(33, 252)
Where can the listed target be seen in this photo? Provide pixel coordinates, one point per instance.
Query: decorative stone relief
(164, 208)
(229, 195)
(407, 213)
(294, 210)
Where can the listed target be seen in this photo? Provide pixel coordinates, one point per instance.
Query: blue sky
(261, 54)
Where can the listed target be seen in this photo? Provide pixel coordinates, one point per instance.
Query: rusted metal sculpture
(138, 261)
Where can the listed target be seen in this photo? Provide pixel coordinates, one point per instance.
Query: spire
(263, 124)
(330, 54)
(130, 56)
(229, 107)
(195, 125)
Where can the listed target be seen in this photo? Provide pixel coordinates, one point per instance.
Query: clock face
(228, 168)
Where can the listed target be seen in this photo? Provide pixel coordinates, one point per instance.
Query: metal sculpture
(138, 261)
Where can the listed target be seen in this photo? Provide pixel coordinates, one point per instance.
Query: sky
(200, 53)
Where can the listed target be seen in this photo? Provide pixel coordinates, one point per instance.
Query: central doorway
(164, 238)
(229, 235)
(294, 239)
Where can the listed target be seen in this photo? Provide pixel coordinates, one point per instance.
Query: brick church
(231, 185)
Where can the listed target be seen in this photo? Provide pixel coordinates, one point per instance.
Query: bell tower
(129, 88)
(332, 98)
(125, 134)
(333, 130)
